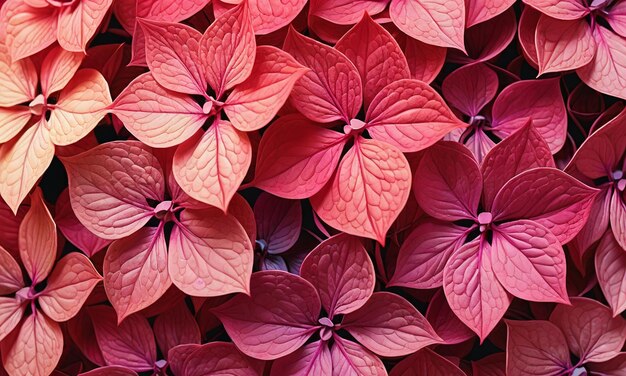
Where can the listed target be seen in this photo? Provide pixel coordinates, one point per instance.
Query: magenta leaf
(221, 358)
(426, 362)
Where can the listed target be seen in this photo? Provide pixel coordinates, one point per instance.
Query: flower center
(24, 294)
(355, 125)
(212, 106)
(162, 209)
(484, 220)
(580, 371)
(38, 105)
(327, 328)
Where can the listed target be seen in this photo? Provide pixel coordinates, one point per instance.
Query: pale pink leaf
(296, 157)
(311, 359)
(254, 102)
(332, 89)
(12, 121)
(426, 362)
(135, 271)
(536, 348)
(28, 29)
(278, 222)
(436, 22)
(58, 68)
(11, 312)
(156, 116)
(78, 24)
(607, 71)
(342, 273)
(210, 254)
(470, 88)
(282, 309)
(18, 79)
(220, 358)
(610, 263)
(176, 327)
(560, 9)
(563, 45)
(210, 166)
(368, 191)
(351, 359)
(69, 286)
(10, 273)
(590, 329)
(410, 115)
(109, 185)
(482, 10)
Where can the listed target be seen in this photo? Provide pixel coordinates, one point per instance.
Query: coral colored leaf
(536, 348)
(470, 88)
(376, 55)
(35, 348)
(110, 371)
(210, 166)
(267, 16)
(610, 263)
(18, 79)
(590, 329)
(278, 222)
(350, 359)
(296, 157)
(559, 202)
(81, 105)
(177, 357)
(342, 273)
(426, 362)
(38, 239)
(560, 9)
(529, 262)
(540, 100)
(109, 185)
(73, 229)
(563, 45)
(368, 191)
(129, 344)
(346, 12)
(69, 286)
(332, 89)
(254, 102)
(527, 33)
(410, 115)
(11, 312)
(481, 10)
(220, 358)
(12, 121)
(282, 311)
(28, 29)
(10, 273)
(135, 271)
(523, 150)
(312, 359)
(444, 322)
(618, 216)
(389, 326)
(172, 55)
(210, 254)
(436, 22)
(156, 116)
(227, 50)
(425, 61)
(23, 161)
(472, 290)
(176, 327)
(448, 182)
(57, 69)
(607, 71)
(78, 24)
(241, 210)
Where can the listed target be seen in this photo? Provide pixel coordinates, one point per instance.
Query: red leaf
(221, 358)
(177, 357)
(610, 263)
(266, 17)
(425, 61)
(444, 321)
(426, 362)
(176, 327)
(110, 371)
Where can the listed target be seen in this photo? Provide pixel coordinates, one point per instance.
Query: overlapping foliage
(246, 187)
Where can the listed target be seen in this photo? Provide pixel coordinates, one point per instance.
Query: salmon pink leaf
(266, 17)
(221, 358)
(346, 12)
(28, 29)
(10, 273)
(480, 10)
(563, 44)
(78, 24)
(38, 239)
(18, 79)
(610, 263)
(426, 362)
(607, 71)
(560, 9)
(278, 222)
(11, 312)
(57, 69)
(282, 309)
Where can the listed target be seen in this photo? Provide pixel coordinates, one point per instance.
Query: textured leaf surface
(482, 10)
(79, 23)
(29, 29)
(470, 88)
(560, 9)
(18, 79)
(57, 69)
(10, 273)
(312, 359)
(426, 362)
(563, 45)
(38, 239)
(607, 71)
(176, 327)
(219, 358)
(11, 312)
(350, 359)
(610, 262)
(278, 222)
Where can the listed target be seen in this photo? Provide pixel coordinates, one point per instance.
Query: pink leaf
(593, 230)
(448, 182)
(107, 195)
(470, 88)
(69, 286)
(18, 79)
(156, 116)
(389, 326)
(77, 24)
(58, 68)
(296, 157)
(177, 357)
(210, 166)
(559, 202)
(282, 309)
(35, 348)
(172, 55)
(610, 263)
(210, 254)
(176, 327)
(278, 222)
(368, 191)
(560, 9)
(607, 71)
(12, 121)
(537, 348)
(350, 359)
(410, 115)
(482, 43)
(436, 22)
(346, 12)
(376, 55)
(425, 61)
(227, 50)
(342, 273)
(424, 253)
(444, 321)
(267, 17)
(472, 290)
(426, 362)
(135, 271)
(312, 359)
(255, 102)
(110, 371)
(38, 239)
(11, 312)
(241, 210)
(10, 273)
(615, 366)
(481, 10)
(529, 261)
(618, 216)
(527, 33)
(129, 344)
(617, 18)
(491, 365)
(523, 150)
(590, 329)
(563, 45)
(28, 29)
(540, 100)
(220, 358)
(332, 89)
